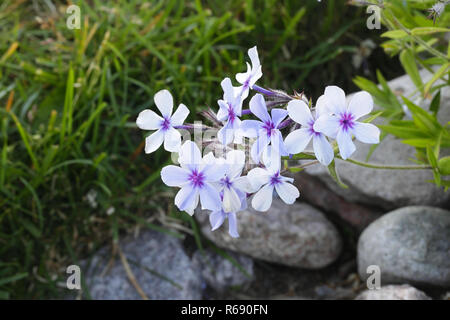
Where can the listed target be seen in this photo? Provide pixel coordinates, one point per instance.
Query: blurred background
(73, 174)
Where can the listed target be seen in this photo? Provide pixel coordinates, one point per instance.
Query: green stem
(389, 167)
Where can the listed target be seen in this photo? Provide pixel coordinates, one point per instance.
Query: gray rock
(158, 261)
(410, 245)
(220, 273)
(393, 292)
(389, 189)
(294, 235)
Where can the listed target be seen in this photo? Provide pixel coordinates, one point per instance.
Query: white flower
(266, 180)
(266, 130)
(196, 178)
(230, 110)
(342, 124)
(297, 140)
(165, 125)
(254, 72)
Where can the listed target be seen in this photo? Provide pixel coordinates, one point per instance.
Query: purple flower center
(311, 129)
(346, 121)
(247, 82)
(275, 179)
(231, 114)
(197, 179)
(226, 182)
(268, 126)
(165, 125)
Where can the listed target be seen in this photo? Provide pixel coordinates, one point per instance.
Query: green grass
(69, 99)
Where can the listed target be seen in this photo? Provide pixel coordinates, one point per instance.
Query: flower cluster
(223, 183)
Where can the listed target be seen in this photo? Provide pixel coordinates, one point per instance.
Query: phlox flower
(266, 131)
(254, 72)
(233, 187)
(267, 180)
(229, 111)
(340, 123)
(297, 140)
(195, 177)
(165, 125)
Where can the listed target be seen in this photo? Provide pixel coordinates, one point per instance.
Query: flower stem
(389, 167)
(263, 91)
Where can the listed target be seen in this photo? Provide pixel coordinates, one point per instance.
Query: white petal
(172, 140)
(216, 219)
(258, 107)
(328, 125)
(226, 134)
(321, 106)
(258, 147)
(287, 192)
(278, 115)
(189, 155)
(277, 144)
(232, 225)
(214, 172)
(243, 184)
(209, 197)
(256, 74)
(262, 200)
(231, 201)
(236, 161)
(360, 105)
(335, 97)
(299, 112)
(250, 128)
(222, 114)
(154, 141)
(254, 58)
(258, 177)
(187, 199)
(164, 102)
(179, 116)
(228, 90)
(297, 140)
(149, 120)
(322, 149)
(242, 77)
(174, 176)
(366, 132)
(345, 143)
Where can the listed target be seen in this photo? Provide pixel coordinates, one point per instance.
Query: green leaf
(427, 30)
(395, 34)
(423, 119)
(437, 75)
(13, 278)
(409, 64)
(334, 174)
(435, 103)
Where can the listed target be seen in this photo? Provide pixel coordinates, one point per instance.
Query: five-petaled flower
(266, 131)
(195, 177)
(340, 120)
(165, 125)
(266, 180)
(229, 111)
(254, 72)
(298, 139)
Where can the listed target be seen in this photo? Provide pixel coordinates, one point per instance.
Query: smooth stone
(295, 235)
(220, 273)
(159, 264)
(410, 245)
(393, 292)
